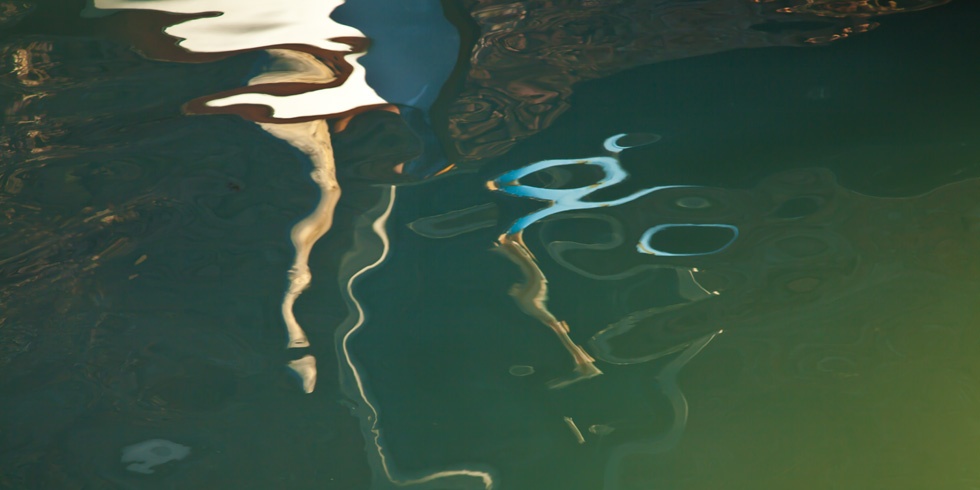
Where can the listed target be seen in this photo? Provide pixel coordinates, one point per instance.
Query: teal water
(768, 281)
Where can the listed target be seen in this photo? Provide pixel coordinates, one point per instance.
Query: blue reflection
(572, 199)
(646, 247)
(413, 47)
(413, 52)
(561, 200)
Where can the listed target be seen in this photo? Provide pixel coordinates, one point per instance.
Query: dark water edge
(101, 348)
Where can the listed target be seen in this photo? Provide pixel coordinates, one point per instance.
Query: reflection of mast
(312, 138)
(371, 247)
(532, 297)
(667, 379)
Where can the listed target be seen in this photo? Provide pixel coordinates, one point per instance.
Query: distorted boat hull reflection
(687, 310)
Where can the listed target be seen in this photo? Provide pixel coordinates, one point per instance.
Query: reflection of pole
(667, 379)
(370, 250)
(313, 139)
(532, 297)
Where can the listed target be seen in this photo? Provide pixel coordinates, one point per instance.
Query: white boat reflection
(298, 36)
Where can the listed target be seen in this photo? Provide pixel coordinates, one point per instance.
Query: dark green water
(805, 316)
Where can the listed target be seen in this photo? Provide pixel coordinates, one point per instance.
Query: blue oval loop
(646, 247)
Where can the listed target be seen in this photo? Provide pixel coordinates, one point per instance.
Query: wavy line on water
(667, 379)
(313, 139)
(352, 379)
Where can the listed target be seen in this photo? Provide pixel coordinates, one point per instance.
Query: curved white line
(372, 417)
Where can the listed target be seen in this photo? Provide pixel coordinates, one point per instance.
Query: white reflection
(357, 263)
(313, 139)
(305, 367)
(576, 433)
(248, 24)
(251, 25)
(144, 456)
(354, 93)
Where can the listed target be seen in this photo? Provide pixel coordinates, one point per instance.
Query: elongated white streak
(576, 433)
(379, 229)
(370, 419)
(313, 139)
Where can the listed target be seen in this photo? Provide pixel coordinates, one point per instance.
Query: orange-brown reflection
(531, 53)
(532, 297)
(54, 232)
(860, 8)
(188, 31)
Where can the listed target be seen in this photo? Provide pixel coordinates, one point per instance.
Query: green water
(144, 255)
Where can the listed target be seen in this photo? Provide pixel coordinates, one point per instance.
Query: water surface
(481, 244)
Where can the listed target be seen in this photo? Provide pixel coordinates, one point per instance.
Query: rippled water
(480, 244)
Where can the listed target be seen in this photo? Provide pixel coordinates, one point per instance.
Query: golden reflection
(579, 438)
(305, 367)
(798, 260)
(313, 139)
(29, 63)
(532, 297)
(13, 11)
(843, 34)
(860, 8)
(54, 234)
